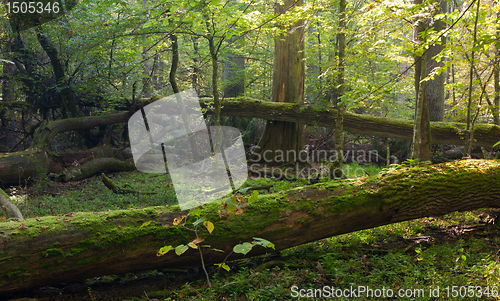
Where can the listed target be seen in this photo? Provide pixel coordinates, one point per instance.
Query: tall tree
(67, 94)
(288, 86)
(435, 86)
(234, 73)
(421, 147)
(469, 134)
(496, 72)
(341, 106)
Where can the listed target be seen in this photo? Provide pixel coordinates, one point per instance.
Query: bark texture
(76, 246)
(9, 210)
(435, 87)
(288, 87)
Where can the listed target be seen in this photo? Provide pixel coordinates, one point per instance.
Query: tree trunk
(341, 105)
(76, 246)
(234, 67)
(496, 72)
(234, 73)
(469, 133)
(288, 87)
(59, 73)
(435, 87)
(175, 88)
(421, 146)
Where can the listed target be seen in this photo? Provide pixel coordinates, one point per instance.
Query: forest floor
(456, 256)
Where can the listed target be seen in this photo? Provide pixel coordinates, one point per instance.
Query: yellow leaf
(192, 245)
(209, 225)
(223, 265)
(178, 220)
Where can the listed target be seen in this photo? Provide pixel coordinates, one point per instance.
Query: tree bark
(421, 147)
(435, 86)
(60, 74)
(469, 133)
(421, 129)
(341, 105)
(496, 72)
(76, 246)
(287, 87)
(9, 210)
(234, 73)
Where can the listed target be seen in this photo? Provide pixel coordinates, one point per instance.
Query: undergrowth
(457, 250)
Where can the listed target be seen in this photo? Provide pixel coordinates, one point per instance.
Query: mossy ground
(455, 250)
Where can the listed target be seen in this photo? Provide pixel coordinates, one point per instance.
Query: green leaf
(496, 144)
(145, 225)
(200, 220)
(253, 198)
(181, 249)
(243, 248)
(196, 212)
(243, 190)
(164, 250)
(263, 242)
(217, 250)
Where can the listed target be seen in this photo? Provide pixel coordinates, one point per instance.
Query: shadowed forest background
(407, 91)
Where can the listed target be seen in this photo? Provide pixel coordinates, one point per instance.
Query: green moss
(16, 272)
(54, 252)
(303, 220)
(74, 251)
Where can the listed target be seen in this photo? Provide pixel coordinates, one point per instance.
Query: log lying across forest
(39, 160)
(485, 135)
(64, 248)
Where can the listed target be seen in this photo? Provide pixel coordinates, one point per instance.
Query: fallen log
(121, 189)
(16, 167)
(76, 246)
(485, 135)
(9, 210)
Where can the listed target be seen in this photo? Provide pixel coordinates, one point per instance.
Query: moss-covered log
(442, 132)
(64, 248)
(48, 130)
(9, 210)
(33, 162)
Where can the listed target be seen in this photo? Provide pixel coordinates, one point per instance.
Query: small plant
(233, 206)
(416, 162)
